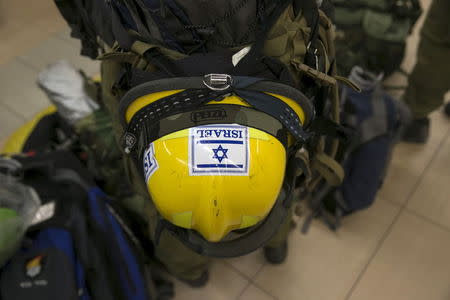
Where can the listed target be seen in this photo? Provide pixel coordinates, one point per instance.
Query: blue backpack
(80, 247)
(377, 122)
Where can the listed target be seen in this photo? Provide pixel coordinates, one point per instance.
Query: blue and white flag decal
(219, 149)
(150, 163)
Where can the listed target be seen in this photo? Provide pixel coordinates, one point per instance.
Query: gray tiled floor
(9, 122)
(398, 249)
(325, 259)
(56, 48)
(19, 91)
(412, 263)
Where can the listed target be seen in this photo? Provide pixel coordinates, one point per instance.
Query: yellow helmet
(215, 163)
(215, 178)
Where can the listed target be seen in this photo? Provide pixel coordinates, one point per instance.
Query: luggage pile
(269, 65)
(61, 235)
(213, 50)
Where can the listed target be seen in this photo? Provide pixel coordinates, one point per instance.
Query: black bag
(88, 20)
(377, 121)
(81, 246)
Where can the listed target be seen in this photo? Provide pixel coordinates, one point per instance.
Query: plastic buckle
(218, 82)
(129, 142)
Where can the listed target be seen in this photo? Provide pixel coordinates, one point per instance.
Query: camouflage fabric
(430, 79)
(103, 156)
(176, 257)
(372, 34)
(286, 41)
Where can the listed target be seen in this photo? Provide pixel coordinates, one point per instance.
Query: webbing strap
(124, 39)
(277, 109)
(315, 74)
(224, 114)
(348, 83)
(311, 14)
(191, 99)
(328, 168)
(189, 83)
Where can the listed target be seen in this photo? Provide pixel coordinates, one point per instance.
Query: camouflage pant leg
(430, 79)
(179, 260)
(283, 231)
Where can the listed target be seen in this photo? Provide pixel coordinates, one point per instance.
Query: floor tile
(252, 292)
(413, 264)
(65, 36)
(19, 91)
(410, 160)
(324, 265)
(24, 24)
(54, 49)
(225, 284)
(249, 264)
(9, 121)
(432, 197)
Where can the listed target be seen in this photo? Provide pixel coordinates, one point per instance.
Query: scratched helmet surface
(217, 172)
(215, 178)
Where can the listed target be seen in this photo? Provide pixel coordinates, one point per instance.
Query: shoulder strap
(328, 168)
(311, 14)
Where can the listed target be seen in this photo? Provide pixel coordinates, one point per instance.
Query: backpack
(91, 139)
(80, 245)
(88, 20)
(372, 34)
(169, 45)
(377, 121)
(288, 42)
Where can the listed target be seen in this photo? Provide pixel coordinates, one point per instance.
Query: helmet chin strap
(249, 242)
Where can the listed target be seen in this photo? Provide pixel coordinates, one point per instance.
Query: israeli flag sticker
(219, 149)
(150, 163)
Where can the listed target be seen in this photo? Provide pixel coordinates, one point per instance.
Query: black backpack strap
(311, 13)
(76, 15)
(123, 37)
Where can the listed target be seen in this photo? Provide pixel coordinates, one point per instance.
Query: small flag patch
(219, 149)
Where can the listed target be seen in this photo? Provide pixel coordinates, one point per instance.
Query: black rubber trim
(182, 83)
(255, 119)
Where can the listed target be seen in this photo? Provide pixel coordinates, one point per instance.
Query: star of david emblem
(223, 152)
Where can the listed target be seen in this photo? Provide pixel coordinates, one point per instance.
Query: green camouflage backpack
(290, 42)
(372, 33)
